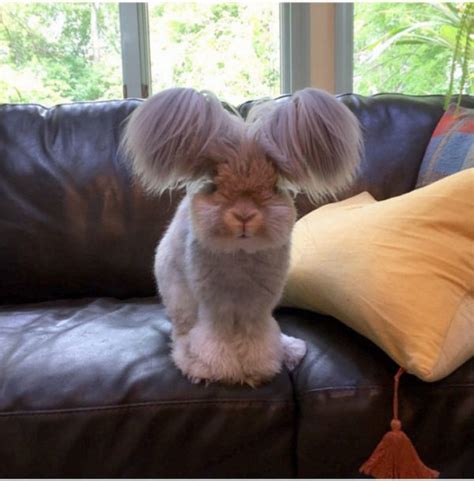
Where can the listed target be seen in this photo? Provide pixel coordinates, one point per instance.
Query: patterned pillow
(451, 147)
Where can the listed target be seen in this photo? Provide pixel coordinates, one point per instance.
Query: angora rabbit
(221, 265)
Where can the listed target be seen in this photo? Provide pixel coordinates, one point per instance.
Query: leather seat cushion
(89, 390)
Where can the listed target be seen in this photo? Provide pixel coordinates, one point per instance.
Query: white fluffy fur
(170, 137)
(313, 138)
(220, 290)
(221, 306)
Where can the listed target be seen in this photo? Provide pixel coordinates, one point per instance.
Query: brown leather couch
(87, 387)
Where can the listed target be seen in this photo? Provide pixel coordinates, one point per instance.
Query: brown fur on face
(244, 209)
(255, 178)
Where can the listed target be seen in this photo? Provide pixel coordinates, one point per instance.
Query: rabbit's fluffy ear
(167, 138)
(314, 139)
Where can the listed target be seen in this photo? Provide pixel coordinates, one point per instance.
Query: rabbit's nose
(244, 216)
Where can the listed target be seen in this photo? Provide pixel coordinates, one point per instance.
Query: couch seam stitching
(152, 405)
(367, 388)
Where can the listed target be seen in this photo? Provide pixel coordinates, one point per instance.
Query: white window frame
(316, 47)
(135, 40)
(295, 51)
(344, 48)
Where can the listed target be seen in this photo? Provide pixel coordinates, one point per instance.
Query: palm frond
(448, 12)
(463, 37)
(466, 55)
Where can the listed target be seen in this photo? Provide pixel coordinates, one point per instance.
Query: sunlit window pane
(404, 47)
(232, 49)
(59, 52)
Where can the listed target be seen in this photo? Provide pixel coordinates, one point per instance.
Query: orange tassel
(395, 456)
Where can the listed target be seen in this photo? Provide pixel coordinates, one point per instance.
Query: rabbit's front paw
(197, 372)
(208, 363)
(218, 361)
(293, 351)
(187, 363)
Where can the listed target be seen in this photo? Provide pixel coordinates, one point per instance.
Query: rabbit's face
(243, 208)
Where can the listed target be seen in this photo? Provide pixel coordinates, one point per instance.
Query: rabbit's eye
(209, 187)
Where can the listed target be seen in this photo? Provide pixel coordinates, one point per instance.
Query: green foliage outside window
(58, 52)
(231, 49)
(408, 48)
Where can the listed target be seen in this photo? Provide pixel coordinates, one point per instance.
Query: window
(405, 47)
(232, 49)
(58, 52)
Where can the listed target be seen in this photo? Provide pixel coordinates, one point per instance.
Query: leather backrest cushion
(73, 223)
(397, 130)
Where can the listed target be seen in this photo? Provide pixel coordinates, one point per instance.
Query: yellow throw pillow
(399, 271)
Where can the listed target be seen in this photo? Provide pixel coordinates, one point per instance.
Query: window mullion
(344, 47)
(295, 34)
(316, 46)
(135, 40)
